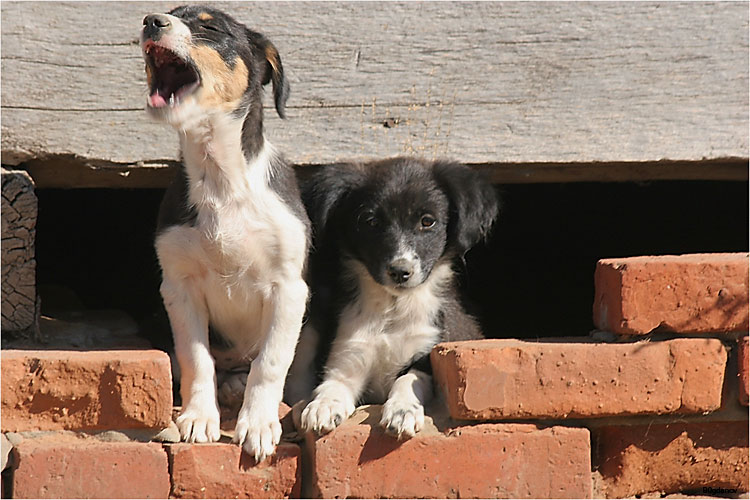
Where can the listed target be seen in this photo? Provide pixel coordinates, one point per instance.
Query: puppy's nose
(400, 270)
(155, 24)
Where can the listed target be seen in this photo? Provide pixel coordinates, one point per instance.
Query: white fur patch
(378, 335)
(403, 411)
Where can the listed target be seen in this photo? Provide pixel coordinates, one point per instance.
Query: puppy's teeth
(171, 100)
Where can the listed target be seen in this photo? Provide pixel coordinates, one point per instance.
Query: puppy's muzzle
(155, 26)
(400, 270)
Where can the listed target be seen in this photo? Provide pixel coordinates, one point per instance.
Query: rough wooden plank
(94, 174)
(19, 211)
(488, 83)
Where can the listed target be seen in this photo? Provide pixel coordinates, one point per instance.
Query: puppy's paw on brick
(402, 418)
(324, 414)
(199, 424)
(258, 431)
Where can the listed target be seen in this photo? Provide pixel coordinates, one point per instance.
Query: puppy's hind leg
(188, 316)
(403, 411)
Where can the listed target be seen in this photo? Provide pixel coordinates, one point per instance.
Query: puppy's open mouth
(172, 78)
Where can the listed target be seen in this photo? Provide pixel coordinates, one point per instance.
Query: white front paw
(324, 414)
(258, 431)
(199, 423)
(402, 418)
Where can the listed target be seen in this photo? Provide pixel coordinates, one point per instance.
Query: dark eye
(372, 221)
(368, 217)
(210, 28)
(427, 221)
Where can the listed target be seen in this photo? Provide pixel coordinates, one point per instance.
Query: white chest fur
(245, 239)
(397, 328)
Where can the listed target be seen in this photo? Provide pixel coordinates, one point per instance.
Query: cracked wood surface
(525, 90)
(19, 211)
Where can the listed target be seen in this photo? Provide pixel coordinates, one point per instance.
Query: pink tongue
(156, 100)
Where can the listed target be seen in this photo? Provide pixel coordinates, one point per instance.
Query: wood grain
(499, 85)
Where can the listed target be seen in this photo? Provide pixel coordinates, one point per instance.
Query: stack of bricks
(649, 404)
(654, 402)
(98, 424)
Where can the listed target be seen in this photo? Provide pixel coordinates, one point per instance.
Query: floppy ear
(324, 192)
(272, 69)
(473, 204)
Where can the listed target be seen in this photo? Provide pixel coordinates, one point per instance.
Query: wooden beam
(642, 89)
(88, 174)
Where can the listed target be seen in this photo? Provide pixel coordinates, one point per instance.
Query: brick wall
(653, 402)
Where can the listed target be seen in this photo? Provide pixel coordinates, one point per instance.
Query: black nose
(400, 271)
(155, 23)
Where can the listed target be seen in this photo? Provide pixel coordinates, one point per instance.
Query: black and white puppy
(386, 237)
(232, 235)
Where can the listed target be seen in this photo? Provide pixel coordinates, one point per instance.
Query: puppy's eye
(208, 27)
(427, 221)
(372, 221)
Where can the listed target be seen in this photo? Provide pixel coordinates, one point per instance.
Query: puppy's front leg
(403, 411)
(199, 420)
(258, 428)
(347, 372)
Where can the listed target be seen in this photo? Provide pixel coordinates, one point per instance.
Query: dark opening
(534, 278)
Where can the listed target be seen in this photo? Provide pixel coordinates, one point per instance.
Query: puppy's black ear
(272, 69)
(324, 191)
(473, 204)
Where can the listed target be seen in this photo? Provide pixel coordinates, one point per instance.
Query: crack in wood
(46, 63)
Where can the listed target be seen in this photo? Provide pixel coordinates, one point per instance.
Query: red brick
(486, 461)
(742, 360)
(511, 379)
(51, 390)
(696, 293)
(67, 467)
(221, 470)
(671, 458)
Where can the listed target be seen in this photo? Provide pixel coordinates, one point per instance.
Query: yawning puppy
(387, 236)
(232, 233)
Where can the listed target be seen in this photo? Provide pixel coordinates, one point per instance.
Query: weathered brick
(60, 466)
(221, 470)
(50, 390)
(744, 377)
(486, 461)
(696, 293)
(671, 458)
(511, 379)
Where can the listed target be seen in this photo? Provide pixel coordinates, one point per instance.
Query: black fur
(283, 182)
(175, 208)
(474, 205)
(340, 198)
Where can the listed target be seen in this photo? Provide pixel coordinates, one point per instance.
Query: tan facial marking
(205, 16)
(221, 86)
